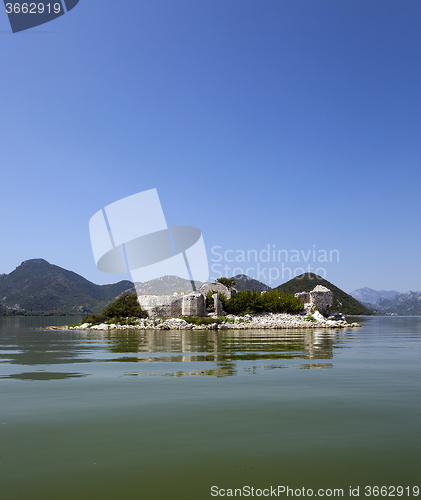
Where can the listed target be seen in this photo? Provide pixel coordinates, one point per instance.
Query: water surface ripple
(167, 414)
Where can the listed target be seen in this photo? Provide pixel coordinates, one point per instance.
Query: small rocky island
(203, 309)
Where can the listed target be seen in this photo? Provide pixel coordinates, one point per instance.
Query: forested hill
(342, 302)
(244, 282)
(36, 286)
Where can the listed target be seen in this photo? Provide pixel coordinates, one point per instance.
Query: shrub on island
(252, 302)
(126, 306)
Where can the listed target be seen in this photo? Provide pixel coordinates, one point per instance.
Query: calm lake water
(168, 415)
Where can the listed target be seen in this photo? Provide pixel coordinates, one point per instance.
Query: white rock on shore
(255, 321)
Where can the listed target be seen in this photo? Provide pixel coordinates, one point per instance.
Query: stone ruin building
(320, 298)
(194, 304)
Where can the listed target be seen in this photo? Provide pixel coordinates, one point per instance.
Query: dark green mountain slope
(342, 302)
(246, 283)
(38, 286)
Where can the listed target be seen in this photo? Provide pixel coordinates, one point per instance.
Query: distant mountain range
(408, 303)
(370, 296)
(36, 286)
(342, 302)
(166, 285)
(390, 302)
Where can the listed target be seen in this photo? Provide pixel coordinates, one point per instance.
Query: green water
(167, 415)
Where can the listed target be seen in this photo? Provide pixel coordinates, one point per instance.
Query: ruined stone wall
(218, 288)
(217, 304)
(320, 298)
(172, 306)
(193, 305)
(161, 306)
(304, 297)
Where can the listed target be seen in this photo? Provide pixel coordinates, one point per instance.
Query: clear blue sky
(276, 122)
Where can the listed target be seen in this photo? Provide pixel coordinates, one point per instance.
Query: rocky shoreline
(260, 321)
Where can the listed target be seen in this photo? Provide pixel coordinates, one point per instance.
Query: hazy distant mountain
(166, 285)
(368, 295)
(402, 303)
(246, 283)
(390, 301)
(37, 286)
(342, 302)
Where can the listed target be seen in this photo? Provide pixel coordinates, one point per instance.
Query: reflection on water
(316, 365)
(227, 352)
(218, 346)
(41, 375)
(160, 353)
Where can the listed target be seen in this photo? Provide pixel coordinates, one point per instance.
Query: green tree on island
(125, 306)
(228, 282)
